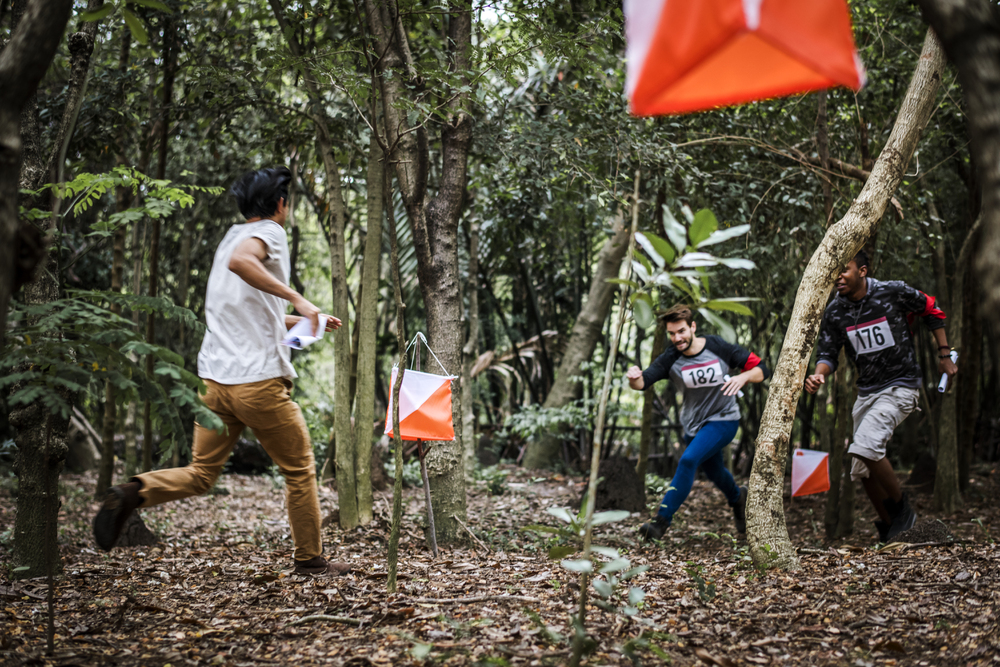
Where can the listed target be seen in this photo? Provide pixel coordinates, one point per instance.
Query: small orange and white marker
(810, 472)
(424, 406)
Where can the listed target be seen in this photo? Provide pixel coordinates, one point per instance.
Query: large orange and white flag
(424, 406)
(810, 472)
(691, 55)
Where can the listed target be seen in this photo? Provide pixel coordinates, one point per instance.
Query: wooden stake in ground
(767, 534)
(595, 455)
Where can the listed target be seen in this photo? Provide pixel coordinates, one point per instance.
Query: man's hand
(331, 323)
(634, 375)
(734, 384)
(948, 366)
(814, 381)
(308, 311)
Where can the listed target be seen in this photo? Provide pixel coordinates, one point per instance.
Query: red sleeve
(931, 309)
(752, 362)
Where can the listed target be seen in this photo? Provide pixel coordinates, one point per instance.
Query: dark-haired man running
(248, 373)
(700, 367)
(871, 318)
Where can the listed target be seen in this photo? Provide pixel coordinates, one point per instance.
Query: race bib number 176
(871, 336)
(707, 374)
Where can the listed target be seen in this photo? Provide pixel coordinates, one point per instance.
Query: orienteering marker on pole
(688, 56)
(424, 414)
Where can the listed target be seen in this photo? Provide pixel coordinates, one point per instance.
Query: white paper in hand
(301, 335)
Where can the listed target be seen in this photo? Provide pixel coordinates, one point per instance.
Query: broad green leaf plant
(680, 263)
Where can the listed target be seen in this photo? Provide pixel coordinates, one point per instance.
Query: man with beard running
(700, 367)
(872, 319)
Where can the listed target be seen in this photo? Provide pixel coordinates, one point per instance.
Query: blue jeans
(705, 450)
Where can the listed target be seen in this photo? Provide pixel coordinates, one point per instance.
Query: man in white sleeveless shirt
(248, 373)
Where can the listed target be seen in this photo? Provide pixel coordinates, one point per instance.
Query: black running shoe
(883, 530)
(740, 511)
(903, 516)
(120, 502)
(654, 530)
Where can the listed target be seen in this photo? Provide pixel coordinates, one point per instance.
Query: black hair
(258, 192)
(861, 259)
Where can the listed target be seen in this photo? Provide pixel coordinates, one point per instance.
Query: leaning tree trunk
(970, 34)
(766, 531)
(545, 450)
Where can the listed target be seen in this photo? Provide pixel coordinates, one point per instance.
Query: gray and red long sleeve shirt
(699, 378)
(875, 332)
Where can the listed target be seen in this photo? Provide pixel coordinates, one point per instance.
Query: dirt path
(218, 589)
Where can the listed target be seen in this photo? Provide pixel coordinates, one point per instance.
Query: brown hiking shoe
(322, 567)
(120, 502)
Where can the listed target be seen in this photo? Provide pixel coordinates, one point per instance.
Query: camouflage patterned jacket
(876, 333)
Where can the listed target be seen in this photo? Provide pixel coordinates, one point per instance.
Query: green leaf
(603, 588)
(642, 311)
(636, 595)
(560, 552)
(724, 235)
(607, 552)
(617, 565)
(609, 516)
(560, 513)
(660, 246)
(584, 566)
(135, 26)
(152, 4)
(703, 226)
(97, 14)
(737, 263)
(724, 328)
(675, 230)
(421, 651)
(728, 304)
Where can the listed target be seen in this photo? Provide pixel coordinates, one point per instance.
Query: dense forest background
(176, 100)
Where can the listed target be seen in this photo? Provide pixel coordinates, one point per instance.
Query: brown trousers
(267, 409)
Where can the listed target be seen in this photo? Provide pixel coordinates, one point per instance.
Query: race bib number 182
(871, 336)
(697, 376)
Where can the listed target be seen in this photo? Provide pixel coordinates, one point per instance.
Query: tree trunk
(37, 29)
(842, 433)
(648, 398)
(433, 221)
(344, 440)
(970, 362)
(470, 353)
(947, 494)
(545, 450)
(970, 34)
(163, 125)
(766, 530)
(123, 199)
(367, 329)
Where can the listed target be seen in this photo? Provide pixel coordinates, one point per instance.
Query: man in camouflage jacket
(870, 319)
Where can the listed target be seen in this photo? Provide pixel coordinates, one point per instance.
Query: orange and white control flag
(424, 406)
(810, 472)
(686, 55)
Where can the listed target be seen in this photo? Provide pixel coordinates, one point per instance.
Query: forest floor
(218, 589)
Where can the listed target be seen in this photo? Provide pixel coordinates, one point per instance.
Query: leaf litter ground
(218, 589)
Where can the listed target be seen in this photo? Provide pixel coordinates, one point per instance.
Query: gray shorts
(876, 416)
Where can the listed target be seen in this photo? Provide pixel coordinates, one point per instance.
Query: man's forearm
(253, 273)
(942, 339)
